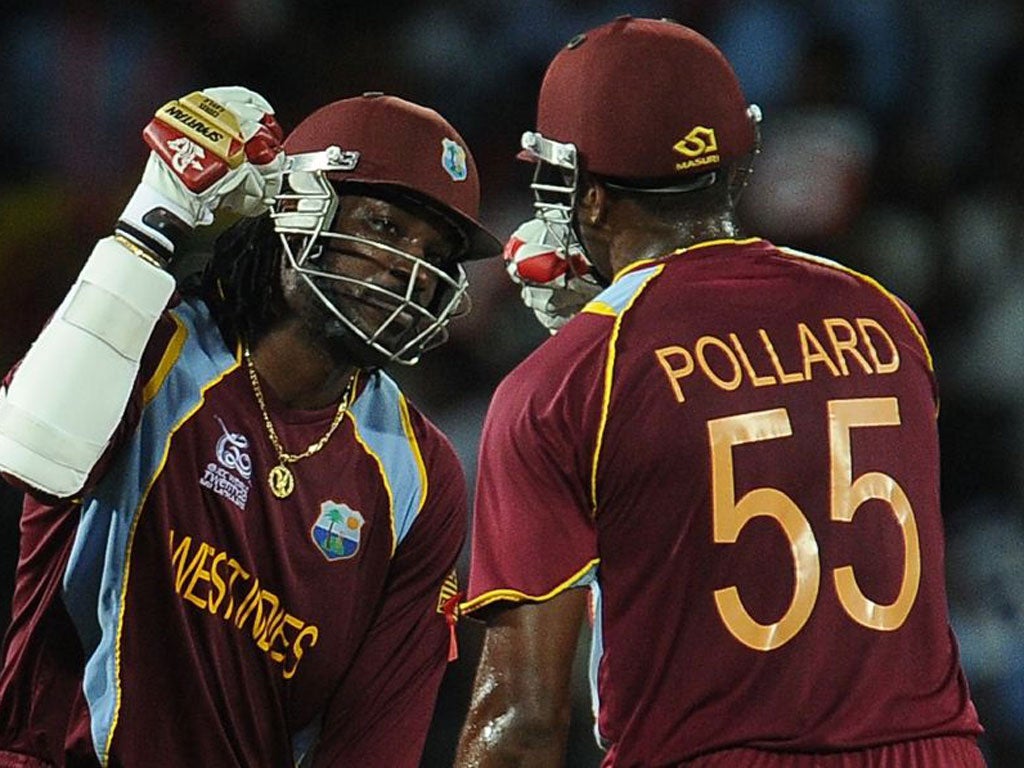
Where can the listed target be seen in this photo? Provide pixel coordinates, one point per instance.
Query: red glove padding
(553, 271)
(201, 139)
(216, 149)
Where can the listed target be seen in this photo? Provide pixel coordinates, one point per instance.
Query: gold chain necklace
(281, 479)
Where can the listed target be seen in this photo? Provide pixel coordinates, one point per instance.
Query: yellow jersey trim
(515, 596)
(640, 264)
(609, 376)
(167, 361)
(135, 524)
(383, 477)
(599, 308)
(414, 446)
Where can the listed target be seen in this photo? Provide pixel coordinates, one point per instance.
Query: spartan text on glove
(191, 121)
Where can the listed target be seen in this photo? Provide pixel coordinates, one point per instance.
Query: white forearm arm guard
(71, 390)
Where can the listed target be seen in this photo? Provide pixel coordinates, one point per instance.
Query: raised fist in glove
(216, 149)
(554, 283)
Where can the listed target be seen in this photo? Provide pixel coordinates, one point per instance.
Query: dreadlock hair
(241, 283)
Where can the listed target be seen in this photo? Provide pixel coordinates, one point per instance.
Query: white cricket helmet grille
(386, 147)
(555, 185)
(407, 324)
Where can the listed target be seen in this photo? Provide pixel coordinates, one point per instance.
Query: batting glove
(216, 149)
(554, 283)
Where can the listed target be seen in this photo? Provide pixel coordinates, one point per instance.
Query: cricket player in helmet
(725, 459)
(238, 535)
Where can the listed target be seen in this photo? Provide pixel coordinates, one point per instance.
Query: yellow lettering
(278, 639)
(274, 612)
(218, 588)
(675, 374)
(756, 379)
(236, 571)
(178, 558)
(272, 625)
(866, 323)
(807, 340)
(311, 633)
(737, 375)
(247, 604)
(847, 345)
(784, 376)
(698, 161)
(198, 572)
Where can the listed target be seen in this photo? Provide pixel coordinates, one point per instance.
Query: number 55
(847, 495)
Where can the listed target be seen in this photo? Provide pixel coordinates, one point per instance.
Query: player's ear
(592, 204)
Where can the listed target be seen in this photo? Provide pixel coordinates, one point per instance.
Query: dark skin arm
(520, 707)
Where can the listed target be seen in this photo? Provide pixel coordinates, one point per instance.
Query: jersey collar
(641, 263)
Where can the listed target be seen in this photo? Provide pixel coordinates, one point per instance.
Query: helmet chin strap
(745, 169)
(595, 275)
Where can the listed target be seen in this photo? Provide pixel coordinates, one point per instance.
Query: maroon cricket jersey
(736, 449)
(180, 614)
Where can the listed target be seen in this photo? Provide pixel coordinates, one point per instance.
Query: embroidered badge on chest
(338, 530)
(230, 476)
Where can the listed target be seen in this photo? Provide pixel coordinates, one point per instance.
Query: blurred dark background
(894, 143)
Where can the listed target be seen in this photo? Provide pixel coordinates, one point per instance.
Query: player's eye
(382, 225)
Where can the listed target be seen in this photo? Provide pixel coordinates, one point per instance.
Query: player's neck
(299, 374)
(654, 242)
(700, 229)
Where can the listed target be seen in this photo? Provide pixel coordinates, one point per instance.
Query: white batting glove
(554, 284)
(216, 149)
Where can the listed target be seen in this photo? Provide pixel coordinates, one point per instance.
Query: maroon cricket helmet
(405, 147)
(645, 100)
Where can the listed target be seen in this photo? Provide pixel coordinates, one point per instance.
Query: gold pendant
(282, 482)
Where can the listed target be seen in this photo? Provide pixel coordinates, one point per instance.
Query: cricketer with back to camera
(238, 535)
(726, 455)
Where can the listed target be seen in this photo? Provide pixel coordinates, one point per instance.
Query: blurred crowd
(893, 143)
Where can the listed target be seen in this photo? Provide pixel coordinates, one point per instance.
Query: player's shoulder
(828, 267)
(845, 273)
(186, 347)
(383, 402)
(618, 297)
(565, 366)
(582, 343)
